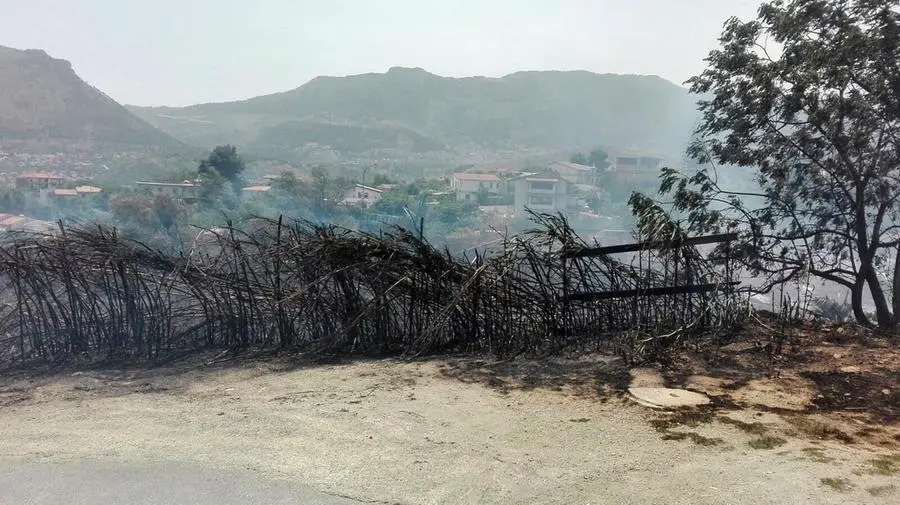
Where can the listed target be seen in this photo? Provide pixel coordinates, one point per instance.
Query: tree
(215, 191)
(817, 120)
(578, 158)
(147, 213)
(224, 160)
(325, 191)
(453, 215)
(287, 184)
(392, 202)
(379, 179)
(598, 159)
(12, 201)
(168, 212)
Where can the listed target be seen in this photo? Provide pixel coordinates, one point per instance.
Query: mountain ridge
(44, 102)
(533, 108)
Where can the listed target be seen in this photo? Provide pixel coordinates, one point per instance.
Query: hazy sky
(178, 52)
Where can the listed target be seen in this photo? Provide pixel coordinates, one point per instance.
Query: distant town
(494, 198)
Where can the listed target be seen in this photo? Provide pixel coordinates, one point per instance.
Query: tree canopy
(598, 158)
(805, 97)
(578, 158)
(227, 163)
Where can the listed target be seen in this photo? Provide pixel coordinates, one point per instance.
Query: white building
(362, 195)
(543, 194)
(467, 186)
(574, 173)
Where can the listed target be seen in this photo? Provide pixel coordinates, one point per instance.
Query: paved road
(93, 483)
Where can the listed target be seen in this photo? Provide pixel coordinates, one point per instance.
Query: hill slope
(555, 110)
(43, 102)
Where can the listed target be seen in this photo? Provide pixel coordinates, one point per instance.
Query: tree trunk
(895, 286)
(882, 311)
(856, 293)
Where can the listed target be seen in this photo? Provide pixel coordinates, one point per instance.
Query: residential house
(187, 190)
(42, 182)
(360, 194)
(39, 181)
(468, 186)
(574, 173)
(543, 194)
(77, 192)
(636, 169)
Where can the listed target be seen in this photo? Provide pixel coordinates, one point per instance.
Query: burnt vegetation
(326, 290)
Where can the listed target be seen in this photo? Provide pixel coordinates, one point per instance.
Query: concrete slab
(667, 398)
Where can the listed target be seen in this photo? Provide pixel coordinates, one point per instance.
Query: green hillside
(412, 109)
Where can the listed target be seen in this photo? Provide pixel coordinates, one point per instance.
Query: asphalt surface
(82, 483)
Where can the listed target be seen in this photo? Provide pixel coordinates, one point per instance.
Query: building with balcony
(39, 181)
(543, 194)
(467, 186)
(360, 194)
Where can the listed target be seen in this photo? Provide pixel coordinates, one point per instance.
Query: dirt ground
(814, 422)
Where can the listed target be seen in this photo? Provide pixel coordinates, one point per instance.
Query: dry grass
(818, 430)
(766, 442)
(838, 484)
(691, 418)
(884, 465)
(685, 417)
(882, 490)
(753, 428)
(696, 438)
(817, 454)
